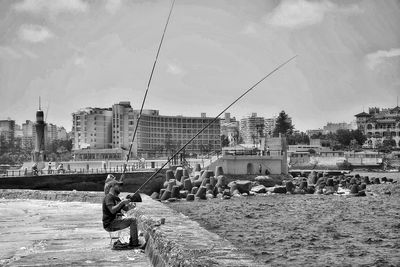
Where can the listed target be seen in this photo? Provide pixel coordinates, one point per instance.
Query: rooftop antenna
(47, 111)
(40, 108)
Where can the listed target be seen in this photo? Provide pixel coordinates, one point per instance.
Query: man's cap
(109, 178)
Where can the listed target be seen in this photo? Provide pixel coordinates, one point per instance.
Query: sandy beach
(309, 230)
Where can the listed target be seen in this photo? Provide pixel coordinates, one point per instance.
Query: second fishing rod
(212, 121)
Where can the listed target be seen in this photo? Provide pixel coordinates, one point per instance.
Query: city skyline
(76, 54)
(237, 117)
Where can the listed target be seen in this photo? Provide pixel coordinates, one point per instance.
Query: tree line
(342, 139)
(12, 152)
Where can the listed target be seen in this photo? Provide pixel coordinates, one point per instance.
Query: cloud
(378, 57)
(303, 13)
(34, 33)
(51, 7)
(14, 53)
(298, 13)
(8, 52)
(174, 69)
(112, 6)
(250, 29)
(80, 61)
(28, 53)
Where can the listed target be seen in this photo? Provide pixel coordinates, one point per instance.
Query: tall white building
(7, 130)
(164, 135)
(269, 126)
(107, 133)
(92, 128)
(51, 133)
(252, 128)
(28, 134)
(229, 126)
(123, 119)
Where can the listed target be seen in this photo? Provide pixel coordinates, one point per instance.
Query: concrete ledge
(182, 242)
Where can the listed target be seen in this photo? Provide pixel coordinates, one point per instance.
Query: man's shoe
(120, 246)
(137, 246)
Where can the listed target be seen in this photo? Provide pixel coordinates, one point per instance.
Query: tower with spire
(39, 155)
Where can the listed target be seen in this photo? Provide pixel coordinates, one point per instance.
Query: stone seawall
(80, 196)
(178, 242)
(83, 182)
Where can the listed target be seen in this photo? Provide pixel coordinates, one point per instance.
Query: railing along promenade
(93, 167)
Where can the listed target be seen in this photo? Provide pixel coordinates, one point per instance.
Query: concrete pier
(43, 232)
(55, 233)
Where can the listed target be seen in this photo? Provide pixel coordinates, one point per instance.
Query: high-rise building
(51, 133)
(229, 126)
(157, 135)
(269, 126)
(27, 135)
(164, 135)
(7, 133)
(7, 130)
(18, 131)
(379, 125)
(123, 119)
(92, 128)
(252, 128)
(62, 133)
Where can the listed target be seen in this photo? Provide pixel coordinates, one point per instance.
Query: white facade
(252, 129)
(92, 128)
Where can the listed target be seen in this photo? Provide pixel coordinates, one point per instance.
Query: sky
(86, 53)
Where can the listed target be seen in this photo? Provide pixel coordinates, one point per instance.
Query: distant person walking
(35, 171)
(49, 170)
(60, 168)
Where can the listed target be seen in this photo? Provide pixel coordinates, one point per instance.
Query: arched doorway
(250, 168)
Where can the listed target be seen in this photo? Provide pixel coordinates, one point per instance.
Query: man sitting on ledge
(112, 205)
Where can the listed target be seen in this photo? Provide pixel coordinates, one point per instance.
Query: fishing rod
(147, 90)
(211, 122)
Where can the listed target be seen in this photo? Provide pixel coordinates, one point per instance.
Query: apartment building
(229, 126)
(92, 128)
(51, 133)
(7, 130)
(123, 119)
(107, 133)
(269, 126)
(28, 134)
(252, 128)
(164, 135)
